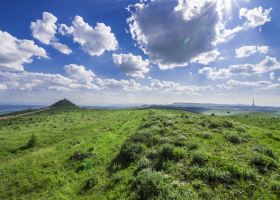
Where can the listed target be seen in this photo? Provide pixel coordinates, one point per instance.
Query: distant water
(13, 108)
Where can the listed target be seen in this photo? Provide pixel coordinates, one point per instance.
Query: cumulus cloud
(264, 85)
(131, 65)
(45, 30)
(3, 87)
(62, 48)
(207, 57)
(246, 51)
(272, 76)
(254, 18)
(79, 73)
(95, 41)
(170, 86)
(171, 33)
(214, 73)
(269, 64)
(40, 81)
(14, 53)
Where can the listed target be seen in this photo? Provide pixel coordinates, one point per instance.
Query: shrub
(275, 187)
(227, 124)
(241, 130)
(263, 163)
(180, 141)
(211, 175)
(79, 156)
(167, 152)
(214, 125)
(144, 137)
(234, 139)
(144, 163)
(31, 142)
(156, 186)
(130, 151)
(206, 135)
(199, 159)
(192, 146)
(265, 150)
(90, 183)
(150, 184)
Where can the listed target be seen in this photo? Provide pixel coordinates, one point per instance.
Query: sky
(104, 52)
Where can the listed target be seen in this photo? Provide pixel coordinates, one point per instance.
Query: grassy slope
(200, 156)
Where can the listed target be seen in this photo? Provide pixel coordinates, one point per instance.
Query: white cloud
(272, 76)
(169, 86)
(95, 41)
(41, 81)
(45, 30)
(207, 57)
(264, 85)
(214, 73)
(79, 73)
(127, 85)
(62, 48)
(246, 51)
(171, 33)
(3, 87)
(14, 53)
(269, 64)
(255, 17)
(131, 65)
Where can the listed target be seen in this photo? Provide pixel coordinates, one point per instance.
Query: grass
(139, 154)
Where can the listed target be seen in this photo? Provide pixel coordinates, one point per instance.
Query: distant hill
(65, 104)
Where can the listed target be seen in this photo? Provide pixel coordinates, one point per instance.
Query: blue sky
(125, 52)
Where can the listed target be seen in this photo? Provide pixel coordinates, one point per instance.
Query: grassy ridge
(138, 154)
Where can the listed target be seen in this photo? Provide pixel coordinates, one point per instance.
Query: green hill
(64, 104)
(139, 154)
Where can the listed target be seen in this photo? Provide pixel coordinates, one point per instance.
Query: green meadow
(138, 154)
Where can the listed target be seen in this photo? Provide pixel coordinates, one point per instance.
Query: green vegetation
(73, 153)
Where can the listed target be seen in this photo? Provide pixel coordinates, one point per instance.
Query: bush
(90, 183)
(31, 142)
(144, 137)
(79, 156)
(130, 151)
(214, 125)
(234, 139)
(275, 188)
(211, 175)
(156, 186)
(199, 159)
(227, 124)
(206, 135)
(192, 146)
(149, 184)
(265, 150)
(263, 163)
(241, 130)
(167, 152)
(144, 163)
(180, 141)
